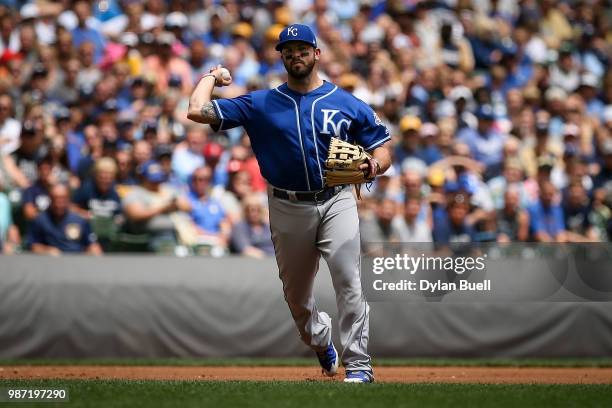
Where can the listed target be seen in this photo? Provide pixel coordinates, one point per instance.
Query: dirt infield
(492, 375)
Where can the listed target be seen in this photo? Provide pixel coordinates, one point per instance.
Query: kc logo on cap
(296, 32)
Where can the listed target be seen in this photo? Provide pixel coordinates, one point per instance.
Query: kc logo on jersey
(328, 120)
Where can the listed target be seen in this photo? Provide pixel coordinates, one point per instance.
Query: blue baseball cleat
(329, 360)
(361, 377)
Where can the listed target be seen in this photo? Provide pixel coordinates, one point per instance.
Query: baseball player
(291, 128)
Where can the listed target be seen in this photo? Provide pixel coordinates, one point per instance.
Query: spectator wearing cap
(176, 22)
(163, 155)
(188, 155)
(588, 90)
(546, 164)
(251, 236)
(429, 151)
(244, 153)
(35, 92)
(84, 33)
(565, 72)
(571, 138)
(547, 223)
(111, 10)
(241, 58)
(462, 98)
(269, 63)
(126, 126)
(485, 142)
(31, 150)
(212, 223)
(10, 128)
(58, 230)
(217, 159)
(512, 219)
(163, 64)
(36, 197)
(148, 208)
(409, 145)
(455, 51)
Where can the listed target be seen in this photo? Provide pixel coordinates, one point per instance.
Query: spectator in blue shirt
(450, 225)
(82, 33)
(485, 143)
(36, 197)
(547, 223)
(217, 33)
(206, 212)
(97, 197)
(188, 156)
(59, 230)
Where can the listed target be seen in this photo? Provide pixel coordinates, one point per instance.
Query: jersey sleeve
(371, 132)
(233, 112)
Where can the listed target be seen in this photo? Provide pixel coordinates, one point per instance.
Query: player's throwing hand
(221, 74)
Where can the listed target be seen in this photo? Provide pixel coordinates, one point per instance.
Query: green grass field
(184, 394)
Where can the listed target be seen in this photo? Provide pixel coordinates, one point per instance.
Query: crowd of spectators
(500, 113)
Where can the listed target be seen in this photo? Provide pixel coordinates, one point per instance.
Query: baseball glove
(343, 162)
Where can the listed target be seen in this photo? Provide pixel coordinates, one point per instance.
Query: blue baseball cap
(153, 172)
(485, 112)
(296, 32)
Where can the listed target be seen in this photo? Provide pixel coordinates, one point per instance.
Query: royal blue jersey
(290, 132)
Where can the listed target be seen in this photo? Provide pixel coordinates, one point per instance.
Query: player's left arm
(380, 162)
(374, 136)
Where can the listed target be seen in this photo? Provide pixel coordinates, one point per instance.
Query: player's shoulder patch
(377, 119)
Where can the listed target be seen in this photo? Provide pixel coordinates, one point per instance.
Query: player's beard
(301, 71)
